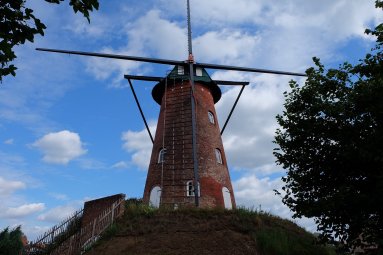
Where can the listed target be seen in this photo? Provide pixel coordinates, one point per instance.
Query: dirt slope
(148, 231)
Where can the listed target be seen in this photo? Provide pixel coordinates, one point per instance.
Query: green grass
(278, 241)
(272, 235)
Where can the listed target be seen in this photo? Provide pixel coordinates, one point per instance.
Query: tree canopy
(18, 25)
(331, 144)
(10, 241)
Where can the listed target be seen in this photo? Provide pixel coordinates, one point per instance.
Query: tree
(11, 241)
(18, 25)
(331, 144)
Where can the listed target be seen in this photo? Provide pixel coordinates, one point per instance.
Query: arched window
(190, 189)
(161, 155)
(155, 197)
(227, 198)
(211, 117)
(218, 156)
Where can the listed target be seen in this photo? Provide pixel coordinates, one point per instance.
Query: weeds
(270, 234)
(110, 232)
(135, 208)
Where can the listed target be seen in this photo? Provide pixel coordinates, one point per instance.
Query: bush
(10, 241)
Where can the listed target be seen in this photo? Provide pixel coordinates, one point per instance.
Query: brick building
(170, 179)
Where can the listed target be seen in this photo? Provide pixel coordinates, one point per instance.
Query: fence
(70, 238)
(56, 234)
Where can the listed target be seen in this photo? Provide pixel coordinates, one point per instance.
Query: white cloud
(327, 16)
(240, 32)
(23, 210)
(149, 35)
(217, 12)
(59, 213)
(121, 165)
(256, 193)
(227, 46)
(91, 164)
(104, 68)
(157, 36)
(9, 141)
(139, 145)
(58, 196)
(99, 26)
(249, 134)
(7, 187)
(60, 147)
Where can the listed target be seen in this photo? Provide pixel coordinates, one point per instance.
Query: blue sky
(70, 130)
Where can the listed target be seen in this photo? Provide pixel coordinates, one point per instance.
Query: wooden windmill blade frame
(172, 62)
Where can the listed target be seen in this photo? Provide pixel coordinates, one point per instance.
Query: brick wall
(94, 208)
(178, 166)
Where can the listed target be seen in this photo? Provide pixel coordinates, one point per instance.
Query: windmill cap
(180, 73)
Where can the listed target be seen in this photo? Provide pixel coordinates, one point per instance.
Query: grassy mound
(144, 230)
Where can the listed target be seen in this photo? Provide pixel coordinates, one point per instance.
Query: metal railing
(70, 238)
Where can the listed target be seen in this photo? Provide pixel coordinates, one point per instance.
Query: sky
(70, 130)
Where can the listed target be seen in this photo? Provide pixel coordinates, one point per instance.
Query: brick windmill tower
(188, 164)
(171, 177)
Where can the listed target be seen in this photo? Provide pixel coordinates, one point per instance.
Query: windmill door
(226, 198)
(155, 197)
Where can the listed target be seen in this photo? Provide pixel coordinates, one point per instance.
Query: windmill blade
(114, 56)
(170, 62)
(246, 69)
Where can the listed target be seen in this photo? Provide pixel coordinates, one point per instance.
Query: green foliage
(10, 241)
(110, 232)
(270, 234)
(278, 241)
(330, 143)
(135, 208)
(18, 25)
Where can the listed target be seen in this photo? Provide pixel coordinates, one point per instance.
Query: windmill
(188, 164)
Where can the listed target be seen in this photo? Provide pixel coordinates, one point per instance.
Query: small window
(161, 155)
(180, 70)
(190, 189)
(198, 71)
(218, 156)
(211, 117)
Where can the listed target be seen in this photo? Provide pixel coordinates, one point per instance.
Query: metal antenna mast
(194, 126)
(189, 29)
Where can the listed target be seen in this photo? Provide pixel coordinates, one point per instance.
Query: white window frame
(218, 156)
(198, 71)
(211, 117)
(180, 70)
(190, 189)
(161, 156)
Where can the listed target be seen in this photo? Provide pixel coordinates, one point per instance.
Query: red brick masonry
(177, 169)
(94, 208)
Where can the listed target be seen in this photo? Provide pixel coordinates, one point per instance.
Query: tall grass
(272, 235)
